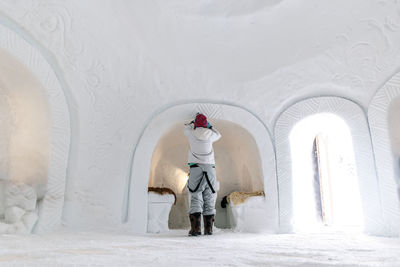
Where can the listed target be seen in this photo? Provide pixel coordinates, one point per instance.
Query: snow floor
(224, 248)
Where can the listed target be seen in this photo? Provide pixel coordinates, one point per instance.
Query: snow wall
(117, 76)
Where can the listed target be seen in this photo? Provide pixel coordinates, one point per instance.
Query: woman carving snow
(202, 179)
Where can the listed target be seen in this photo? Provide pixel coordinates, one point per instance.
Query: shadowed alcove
(238, 167)
(24, 144)
(35, 134)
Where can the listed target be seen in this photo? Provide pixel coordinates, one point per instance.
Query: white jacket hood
(202, 133)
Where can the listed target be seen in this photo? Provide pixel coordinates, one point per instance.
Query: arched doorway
(325, 182)
(355, 118)
(161, 123)
(238, 167)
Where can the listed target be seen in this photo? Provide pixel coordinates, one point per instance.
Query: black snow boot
(208, 224)
(195, 223)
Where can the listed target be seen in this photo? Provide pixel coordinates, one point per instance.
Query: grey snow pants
(202, 199)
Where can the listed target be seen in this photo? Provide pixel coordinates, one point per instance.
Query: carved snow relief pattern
(387, 160)
(211, 111)
(356, 120)
(50, 208)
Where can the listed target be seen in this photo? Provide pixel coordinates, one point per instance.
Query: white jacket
(200, 140)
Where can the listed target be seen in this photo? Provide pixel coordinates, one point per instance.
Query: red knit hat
(201, 121)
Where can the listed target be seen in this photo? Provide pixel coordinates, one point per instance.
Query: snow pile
(18, 213)
(159, 206)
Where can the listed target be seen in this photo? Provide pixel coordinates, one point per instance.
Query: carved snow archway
(161, 123)
(383, 115)
(19, 45)
(355, 118)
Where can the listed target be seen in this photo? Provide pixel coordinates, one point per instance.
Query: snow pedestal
(249, 216)
(159, 206)
(18, 208)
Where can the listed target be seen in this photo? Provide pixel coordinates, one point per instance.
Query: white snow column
(25, 144)
(158, 212)
(238, 167)
(394, 125)
(383, 115)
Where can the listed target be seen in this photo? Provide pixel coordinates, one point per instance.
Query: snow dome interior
(94, 94)
(102, 100)
(238, 167)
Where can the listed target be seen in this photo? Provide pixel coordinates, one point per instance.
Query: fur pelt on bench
(239, 197)
(162, 191)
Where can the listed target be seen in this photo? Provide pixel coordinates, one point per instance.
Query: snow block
(20, 195)
(159, 207)
(13, 214)
(251, 216)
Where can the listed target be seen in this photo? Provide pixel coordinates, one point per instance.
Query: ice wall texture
(123, 60)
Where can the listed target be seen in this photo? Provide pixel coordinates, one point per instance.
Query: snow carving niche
(244, 162)
(384, 119)
(34, 138)
(238, 168)
(322, 181)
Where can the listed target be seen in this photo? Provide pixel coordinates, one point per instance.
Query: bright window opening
(325, 183)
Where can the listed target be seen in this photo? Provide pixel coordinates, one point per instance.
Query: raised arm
(187, 129)
(216, 135)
